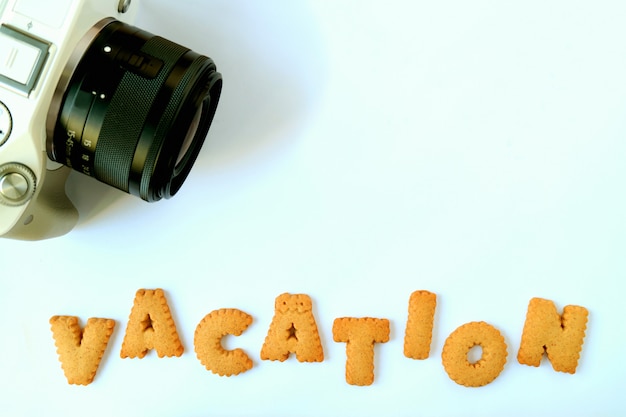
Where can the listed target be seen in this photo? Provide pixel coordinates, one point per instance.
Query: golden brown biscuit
(561, 337)
(151, 326)
(293, 330)
(360, 335)
(458, 345)
(208, 342)
(419, 325)
(80, 350)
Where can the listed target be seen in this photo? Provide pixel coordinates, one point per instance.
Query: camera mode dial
(17, 184)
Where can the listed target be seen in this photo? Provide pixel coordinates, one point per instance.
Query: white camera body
(37, 39)
(82, 88)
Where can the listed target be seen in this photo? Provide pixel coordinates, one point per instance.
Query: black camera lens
(132, 110)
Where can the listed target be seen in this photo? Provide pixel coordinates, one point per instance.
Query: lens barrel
(132, 110)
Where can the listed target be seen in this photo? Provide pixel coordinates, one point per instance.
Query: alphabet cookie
(458, 345)
(560, 337)
(151, 326)
(293, 330)
(208, 342)
(419, 325)
(80, 350)
(360, 335)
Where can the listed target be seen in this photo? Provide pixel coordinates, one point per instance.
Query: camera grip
(50, 213)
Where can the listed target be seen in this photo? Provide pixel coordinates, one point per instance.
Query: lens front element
(135, 110)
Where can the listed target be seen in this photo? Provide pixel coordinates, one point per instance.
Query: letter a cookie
(293, 330)
(151, 326)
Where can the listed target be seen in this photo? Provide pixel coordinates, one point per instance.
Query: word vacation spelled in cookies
(293, 331)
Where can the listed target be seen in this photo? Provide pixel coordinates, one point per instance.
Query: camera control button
(13, 186)
(17, 58)
(22, 58)
(17, 184)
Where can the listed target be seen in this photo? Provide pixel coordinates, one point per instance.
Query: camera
(83, 89)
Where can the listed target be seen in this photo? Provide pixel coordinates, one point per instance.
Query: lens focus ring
(127, 113)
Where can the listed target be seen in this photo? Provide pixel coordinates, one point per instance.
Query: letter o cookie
(459, 343)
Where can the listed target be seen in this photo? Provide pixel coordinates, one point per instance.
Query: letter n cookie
(560, 337)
